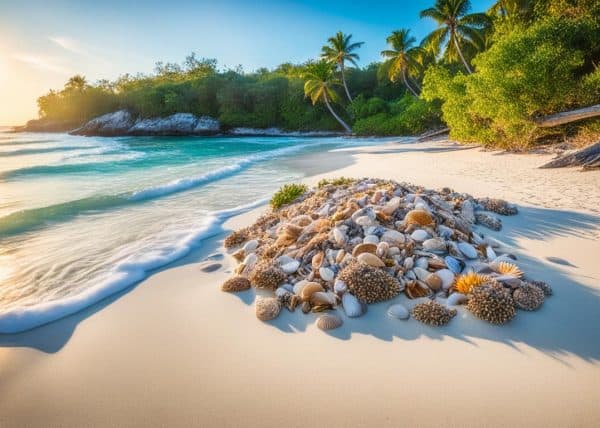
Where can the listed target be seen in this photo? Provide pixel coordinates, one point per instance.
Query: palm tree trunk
(453, 35)
(407, 85)
(344, 82)
(339, 119)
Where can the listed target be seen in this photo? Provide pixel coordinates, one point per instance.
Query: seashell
(351, 305)
(302, 220)
(434, 281)
(317, 260)
(422, 262)
(339, 237)
(445, 232)
(398, 311)
(393, 237)
(506, 268)
(340, 286)
(435, 245)
(250, 246)
(419, 235)
(267, 308)
(421, 273)
(371, 239)
(392, 205)
(239, 255)
(467, 210)
(235, 284)
(299, 286)
(436, 263)
(416, 289)
(447, 277)
(465, 283)
(309, 289)
(490, 253)
(250, 260)
(456, 299)
(468, 250)
(364, 248)
(509, 280)
(329, 322)
(393, 251)
(409, 262)
(364, 221)
(340, 256)
(324, 210)
(420, 217)
(281, 292)
(326, 274)
(290, 267)
(285, 260)
(364, 212)
(382, 249)
(371, 260)
(453, 264)
(321, 298)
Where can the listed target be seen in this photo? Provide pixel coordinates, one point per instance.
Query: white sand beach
(176, 351)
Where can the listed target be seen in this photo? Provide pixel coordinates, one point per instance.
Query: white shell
(398, 311)
(250, 260)
(435, 245)
(421, 273)
(391, 206)
(393, 237)
(456, 299)
(447, 277)
(382, 249)
(422, 262)
(419, 235)
(340, 286)
(250, 246)
(364, 221)
(490, 253)
(352, 306)
(371, 239)
(299, 286)
(283, 260)
(339, 237)
(290, 267)
(393, 251)
(409, 262)
(326, 274)
(468, 250)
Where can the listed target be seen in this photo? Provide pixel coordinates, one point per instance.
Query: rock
(326, 274)
(456, 299)
(468, 250)
(393, 237)
(398, 311)
(352, 306)
(419, 235)
(110, 124)
(290, 267)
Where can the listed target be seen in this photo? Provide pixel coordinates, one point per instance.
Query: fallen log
(434, 133)
(588, 158)
(568, 116)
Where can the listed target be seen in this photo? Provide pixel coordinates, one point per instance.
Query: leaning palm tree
(338, 51)
(402, 57)
(455, 28)
(319, 84)
(512, 9)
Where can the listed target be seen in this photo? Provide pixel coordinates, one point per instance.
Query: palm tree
(455, 27)
(319, 87)
(512, 9)
(338, 51)
(402, 56)
(77, 82)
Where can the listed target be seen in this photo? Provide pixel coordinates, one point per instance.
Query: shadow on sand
(567, 324)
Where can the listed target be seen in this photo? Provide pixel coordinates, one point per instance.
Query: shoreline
(178, 351)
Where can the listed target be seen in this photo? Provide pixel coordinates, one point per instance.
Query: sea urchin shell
(528, 297)
(432, 313)
(492, 303)
(506, 268)
(369, 284)
(266, 275)
(235, 284)
(465, 283)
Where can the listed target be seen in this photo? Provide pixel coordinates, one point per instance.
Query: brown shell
(309, 289)
(364, 248)
(235, 284)
(329, 322)
(415, 289)
(420, 217)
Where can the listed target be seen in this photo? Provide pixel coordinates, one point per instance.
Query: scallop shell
(326, 274)
(352, 306)
(398, 311)
(309, 289)
(456, 299)
(420, 217)
(371, 260)
(267, 308)
(364, 248)
(329, 322)
(468, 250)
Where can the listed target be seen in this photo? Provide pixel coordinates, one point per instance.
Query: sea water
(82, 218)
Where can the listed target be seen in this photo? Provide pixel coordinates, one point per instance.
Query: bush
(338, 181)
(286, 194)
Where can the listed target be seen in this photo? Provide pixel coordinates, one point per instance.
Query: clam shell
(329, 322)
(371, 260)
(319, 298)
(409, 262)
(309, 289)
(456, 299)
(419, 235)
(290, 267)
(317, 260)
(250, 246)
(352, 306)
(267, 308)
(422, 262)
(418, 216)
(364, 248)
(326, 274)
(299, 286)
(398, 311)
(434, 281)
(339, 237)
(393, 237)
(416, 289)
(468, 250)
(340, 256)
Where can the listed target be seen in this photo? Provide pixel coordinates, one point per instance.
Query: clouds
(69, 45)
(42, 62)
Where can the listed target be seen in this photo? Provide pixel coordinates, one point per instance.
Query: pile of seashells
(366, 241)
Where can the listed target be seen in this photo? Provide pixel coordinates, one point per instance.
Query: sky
(43, 42)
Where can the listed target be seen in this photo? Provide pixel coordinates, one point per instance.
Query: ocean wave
(13, 142)
(41, 150)
(123, 275)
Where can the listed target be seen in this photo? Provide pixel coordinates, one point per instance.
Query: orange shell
(420, 217)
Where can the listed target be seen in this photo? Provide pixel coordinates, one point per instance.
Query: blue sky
(42, 43)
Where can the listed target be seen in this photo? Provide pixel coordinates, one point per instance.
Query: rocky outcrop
(110, 124)
(45, 125)
(276, 132)
(122, 122)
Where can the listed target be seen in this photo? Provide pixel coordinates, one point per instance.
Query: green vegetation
(338, 181)
(286, 194)
(486, 75)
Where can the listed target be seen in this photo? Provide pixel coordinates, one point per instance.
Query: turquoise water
(82, 218)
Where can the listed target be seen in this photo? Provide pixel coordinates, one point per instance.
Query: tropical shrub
(286, 194)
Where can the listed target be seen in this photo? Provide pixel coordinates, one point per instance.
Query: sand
(175, 351)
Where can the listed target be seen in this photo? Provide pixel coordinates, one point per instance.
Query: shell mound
(369, 284)
(492, 303)
(349, 243)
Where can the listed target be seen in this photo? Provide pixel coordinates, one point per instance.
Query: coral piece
(267, 308)
(266, 275)
(492, 303)
(236, 238)
(235, 284)
(432, 313)
(465, 283)
(488, 221)
(369, 284)
(542, 286)
(420, 217)
(528, 297)
(498, 206)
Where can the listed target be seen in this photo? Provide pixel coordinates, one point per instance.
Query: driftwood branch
(568, 116)
(434, 133)
(588, 158)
